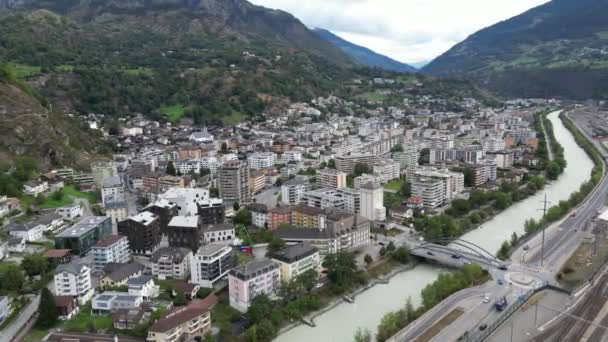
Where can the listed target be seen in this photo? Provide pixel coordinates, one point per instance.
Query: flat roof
(211, 249)
(83, 227)
(184, 221)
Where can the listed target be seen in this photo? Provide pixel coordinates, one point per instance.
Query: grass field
(84, 321)
(582, 263)
(174, 113)
(394, 184)
(139, 71)
(49, 202)
(235, 118)
(22, 71)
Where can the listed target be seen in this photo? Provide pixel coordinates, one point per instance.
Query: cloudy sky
(410, 31)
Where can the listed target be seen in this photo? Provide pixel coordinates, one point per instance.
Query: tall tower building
(233, 182)
(372, 202)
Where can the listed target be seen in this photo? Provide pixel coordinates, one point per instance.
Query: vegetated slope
(364, 55)
(559, 49)
(28, 128)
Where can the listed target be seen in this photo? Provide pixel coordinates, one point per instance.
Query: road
(561, 240)
(8, 333)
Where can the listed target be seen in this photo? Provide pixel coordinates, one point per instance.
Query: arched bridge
(455, 253)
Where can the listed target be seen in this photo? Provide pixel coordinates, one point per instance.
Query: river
(341, 323)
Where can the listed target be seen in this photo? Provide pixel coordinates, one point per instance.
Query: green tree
(478, 198)
(425, 156)
(390, 247)
(397, 148)
(236, 206)
(401, 254)
(48, 313)
(261, 307)
(35, 264)
(514, 239)
(57, 195)
(502, 200)
(180, 298)
(363, 335)
(368, 259)
(214, 192)
(331, 164)
(406, 189)
(553, 170)
(461, 207)
(243, 217)
(275, 245)
(503, 252)
(171, 169)
(361, 168)
(341, 270)
(11, 277)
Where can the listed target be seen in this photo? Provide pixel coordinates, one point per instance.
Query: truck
(501, 304)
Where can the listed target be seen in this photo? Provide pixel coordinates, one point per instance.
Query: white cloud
(407, 30)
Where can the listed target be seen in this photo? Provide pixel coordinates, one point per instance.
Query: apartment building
(257, 181)
(185, 231)
(211, 211)
(431, 190)
(165, 210)
(143, 231)
(182, 324)
(293, 190)
(372, 202)
(261, 160)
(210, 263)
(331, 179)
(233, 182)
(323, 198)
(171, 263)
(347, 163)
(259, 214)
(82, 236)
(111, 249)
(110, 301)
(278, 216)
(186, 200)
(342, 231)
(484, 172)
(387, 170)
(221, 233)
(74, 280)
(352, 199)
(112, 189)
(504, 159)
(365, 178)
(250, 280)
(305, 216)
(291, 157)
(297, 259)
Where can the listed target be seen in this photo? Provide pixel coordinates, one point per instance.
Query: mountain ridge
(558, 49)
(364, 55)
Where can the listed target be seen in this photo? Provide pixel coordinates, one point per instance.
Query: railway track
(574, 325)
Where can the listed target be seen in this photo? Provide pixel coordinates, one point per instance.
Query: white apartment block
(331, 179)
(261, 160)
(365, 178)
(291, 156)
(504, 159)
(248, 281)
(111, 249)
(74, 280)
(387, 170)
(293, 191)
(372, 202)
(185, 199)
(431, 190)
(171, 263)
(352, 199)
(210, 263)
(323, 198)
(112, 190)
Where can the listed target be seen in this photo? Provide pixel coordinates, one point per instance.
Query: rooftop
(294, 253)
(83, 227)
(211, 249)
(184, 221)
(109, 241)
(112, 182)
(177, 253)
(145, 218)
(254, 268)
(217, 227)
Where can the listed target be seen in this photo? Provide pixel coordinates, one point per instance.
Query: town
(195, 230)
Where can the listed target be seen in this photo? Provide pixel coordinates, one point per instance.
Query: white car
(486, 299)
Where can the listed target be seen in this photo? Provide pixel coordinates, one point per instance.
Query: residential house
(74, 280)
(210, 263)
(127, 319)
(259, 214)
(143, 286)
(67, 306)
(27, 231)
(110, 301)
(111, 249)
(221, 233)
(171, 262)
(297, 259)
(182, 323)
(35, 188)
(117, 274)
(252, 279)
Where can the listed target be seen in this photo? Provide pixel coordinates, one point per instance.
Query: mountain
(238, 19)
(29, 128)
(364, 55)
(213, 60)
(559, 49)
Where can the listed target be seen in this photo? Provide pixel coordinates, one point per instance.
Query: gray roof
(253, 268)
(217, 227)
(177, 253)
(17, 240)
(210, 249)
(139, 280)
(72, 268)
(294, 253)
(112, 182)
(48, 218)
(123, 271)
(83, 227)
